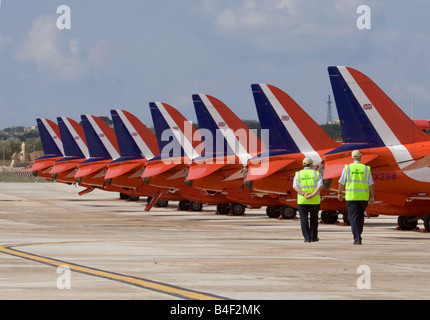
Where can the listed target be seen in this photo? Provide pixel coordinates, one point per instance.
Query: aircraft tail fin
(176, 136)
(135, 140)
(101, 139)
(229, 135)
(291, 129)
(73, 137)
(50, 137)
(367, 114)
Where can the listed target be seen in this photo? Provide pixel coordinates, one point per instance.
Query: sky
(125, 54)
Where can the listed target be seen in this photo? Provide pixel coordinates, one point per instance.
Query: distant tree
(108, 121)
(32, 145)
(9, 147)
(253, 125)
(333, 130)
(31, 134)
(3, 135)
(15, 129)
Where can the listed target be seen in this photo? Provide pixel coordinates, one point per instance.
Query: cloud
(100, 58)
(283, 26)
(46, 47)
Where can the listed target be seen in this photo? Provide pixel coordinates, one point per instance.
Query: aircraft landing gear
(223, 208)
(288, 212)
(407, 222)
(411, 222)
(160, 204)
(329, 216)
(184, 205)
(123, 196)
(133, 198)
(273, 211)
(196, 206)
(237, 209)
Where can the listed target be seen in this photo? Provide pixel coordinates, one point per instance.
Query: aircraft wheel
(133, 198)
(196, 206)
(223, 208)
(273, 212)
(407, 222)
(123, 196)
(427, 222)
(162, 203)
(184, 205)
(329, 217)
(237, 209)
(288, 212)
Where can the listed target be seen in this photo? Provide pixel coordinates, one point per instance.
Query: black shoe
(307, 240)
(357, 242)
(316, 240)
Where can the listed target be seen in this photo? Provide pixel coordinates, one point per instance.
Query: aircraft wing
(86, 170)
(333, 168)
(203, 170)
(42, 164)
(154, 169)
(264, 169)
(64, 166)
(115, 171)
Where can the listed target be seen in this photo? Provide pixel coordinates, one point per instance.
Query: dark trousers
(309, 226)
(356, 217)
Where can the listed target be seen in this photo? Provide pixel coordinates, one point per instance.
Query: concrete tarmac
(55, 244)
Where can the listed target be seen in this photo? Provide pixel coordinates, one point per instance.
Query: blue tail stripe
(219, 145)
(71, 148)
(355, 125)
(50, 148)
(279, 137)
(96, 147)
(128, 147)
(168, 145)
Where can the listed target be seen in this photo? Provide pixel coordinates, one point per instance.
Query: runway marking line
(139, 282)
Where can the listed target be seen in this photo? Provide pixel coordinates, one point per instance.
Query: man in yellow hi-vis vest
(357, 180)
(308, 183)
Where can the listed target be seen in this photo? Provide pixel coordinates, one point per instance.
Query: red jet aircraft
(391, 144)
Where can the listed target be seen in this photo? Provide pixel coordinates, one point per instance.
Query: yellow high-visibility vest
(307, 180)
(357, 182)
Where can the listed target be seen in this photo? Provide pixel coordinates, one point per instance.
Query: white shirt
(342, 179)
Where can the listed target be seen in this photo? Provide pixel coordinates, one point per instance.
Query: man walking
(357, 181)
(308, 183)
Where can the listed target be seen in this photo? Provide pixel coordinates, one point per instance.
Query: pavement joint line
(131, 280)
